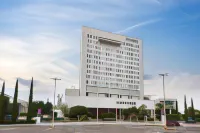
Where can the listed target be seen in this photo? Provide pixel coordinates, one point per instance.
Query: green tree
(159, 106)
(30, 102)
(143, 110)
(77, 110)
(15, 105)
(193, 112)
(4, 101)
(47, 108)
(130, 111)
(3, 89)
(133, 110)
(186, 109)
(126, 112)
(64, 108)
(35, 106)
(177, 107)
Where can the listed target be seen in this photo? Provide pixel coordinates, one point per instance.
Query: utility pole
(55, 79)
(164, 111)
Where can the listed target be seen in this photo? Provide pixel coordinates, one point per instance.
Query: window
(90, 36)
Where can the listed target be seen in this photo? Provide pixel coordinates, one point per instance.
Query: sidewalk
(100, 123)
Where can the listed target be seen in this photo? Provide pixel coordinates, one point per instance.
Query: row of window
(129, 57)
(122, 102)
(111, 70)
(132, 45)
(132, 40)
(127, 39)
(111, 85)
(94, 45)
(112, 64)
(112, 79)
(113, 74)
(118, 52)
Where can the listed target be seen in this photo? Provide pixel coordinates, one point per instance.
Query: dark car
(172, 123)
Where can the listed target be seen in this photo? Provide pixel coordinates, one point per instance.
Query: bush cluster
(173, 117)
(23, 114)
(18, 122)
(197, 119)
(77, 110)
(108, 115)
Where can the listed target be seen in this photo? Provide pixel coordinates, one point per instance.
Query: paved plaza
(98, 128)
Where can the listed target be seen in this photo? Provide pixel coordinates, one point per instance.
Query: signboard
(168, 104)
(39, 111)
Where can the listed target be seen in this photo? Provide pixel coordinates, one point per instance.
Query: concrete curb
(95, 123)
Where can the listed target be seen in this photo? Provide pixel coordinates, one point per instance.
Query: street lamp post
(54, 100)
(164, 111)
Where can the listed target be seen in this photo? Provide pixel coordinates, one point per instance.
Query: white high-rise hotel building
(111, 65)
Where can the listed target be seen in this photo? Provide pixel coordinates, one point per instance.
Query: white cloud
(138, 25)
(176, 87)
(37, 56)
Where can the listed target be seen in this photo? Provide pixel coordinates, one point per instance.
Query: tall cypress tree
(176, 107)
(193, 112)
(3, 89)
(15, 105)
(30, 101)
(186, 110)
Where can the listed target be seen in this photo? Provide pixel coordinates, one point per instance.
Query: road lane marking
(6, 129)
(47, 129)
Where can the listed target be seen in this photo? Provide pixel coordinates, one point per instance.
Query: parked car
(190, 120)
(172, 123)
(8, 117)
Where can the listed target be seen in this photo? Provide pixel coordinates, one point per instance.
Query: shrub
(4, 101)
(46, 119)
(23, 114)
(197, 119)
(90, 114)
(66, 115)
(18, 122)
(108, 115)
(77, 110)
(174, 117)
(59, 119)
(197, 116)
(158, 117)
(83, 117)
(73, 118)
(150, 119)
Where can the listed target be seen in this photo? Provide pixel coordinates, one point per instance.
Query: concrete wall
(72, 92)
(94, 102)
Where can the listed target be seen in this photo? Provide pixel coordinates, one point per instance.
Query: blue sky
(41, 38)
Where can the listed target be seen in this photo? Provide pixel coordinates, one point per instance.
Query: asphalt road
(95, 129)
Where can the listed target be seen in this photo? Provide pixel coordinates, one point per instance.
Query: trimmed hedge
(173, 117)
(150, 119)
(73, 118)
(197, 116)
(23, 114)
(49, 119)
(108, 115)
(197, 119)
(77, 110)
(18, 122)
(66, 115)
